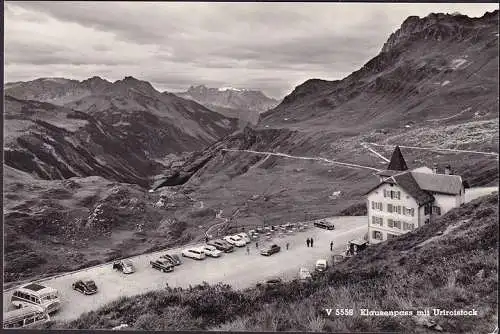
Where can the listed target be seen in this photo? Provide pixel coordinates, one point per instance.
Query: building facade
(407, 199)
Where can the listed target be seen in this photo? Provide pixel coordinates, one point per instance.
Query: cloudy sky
(268, 46)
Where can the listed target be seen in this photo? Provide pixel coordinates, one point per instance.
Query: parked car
(356, 246)
(235, 240)
(270, 250)
(211, 251)
(173, 258)
(36, 294)
(325, 225)
(29, 316)
(245, 237)
(271, 282)
(162, 264)
(221, 245)
(87, 287)
(194, 253)
(321, 265)
(125, 266)
(304, 274)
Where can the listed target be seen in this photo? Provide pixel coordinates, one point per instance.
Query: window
(408, 211)
(408, 226)
(377, 220)
(398, 194)
(385, 193)
(377, 235)
(389, 208)
(427, 209)
(390, 236)
(397, 224)
(397, 209)
(390, 222)
(436, 210)
(377, 206)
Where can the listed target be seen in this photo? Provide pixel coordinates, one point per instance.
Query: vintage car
(87, 287)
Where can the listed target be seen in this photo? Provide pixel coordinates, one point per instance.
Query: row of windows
(27, 297)
(429, 208)
(391, 208)
(394, 194)
(402, 225)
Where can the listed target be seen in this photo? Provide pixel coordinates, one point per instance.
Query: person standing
(287, 244)
(331, 246)
(248, 250)
(206, 239)
(256, 244)
(312, 241)
(308, 242)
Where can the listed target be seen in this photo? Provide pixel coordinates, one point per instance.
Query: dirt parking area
(238, 268)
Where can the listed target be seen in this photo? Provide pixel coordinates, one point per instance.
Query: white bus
(45, 297)
(25, 317)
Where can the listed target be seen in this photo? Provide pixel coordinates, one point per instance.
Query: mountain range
(63, 128)
(232, 102)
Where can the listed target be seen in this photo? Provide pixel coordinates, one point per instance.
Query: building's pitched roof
(411, 186)
(406, 181)
(397, 161)
(439, 183)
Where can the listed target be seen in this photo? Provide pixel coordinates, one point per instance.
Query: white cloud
(268, 46)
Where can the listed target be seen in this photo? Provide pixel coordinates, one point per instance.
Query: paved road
(237, 269)
(436, 149)
(278, 154)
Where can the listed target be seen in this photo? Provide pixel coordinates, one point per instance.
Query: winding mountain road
(284, 155)
(436, 149)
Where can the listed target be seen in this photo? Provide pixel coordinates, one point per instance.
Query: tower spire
(397, 161)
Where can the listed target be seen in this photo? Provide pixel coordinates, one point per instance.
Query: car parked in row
(173, 258)
(87, 287)
(125, 266)
(221, 245)
(211, 251)
(194, 253)
(270, 250)
(244, 237)
(324, 224)
(41, 296)
(235, 240)
(162, 264)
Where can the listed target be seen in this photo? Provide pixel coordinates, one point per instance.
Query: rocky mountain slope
(135, 109)
(239, 103)
(120, 128)
(437, 69)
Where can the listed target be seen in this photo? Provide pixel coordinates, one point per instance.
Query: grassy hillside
(450, 264)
